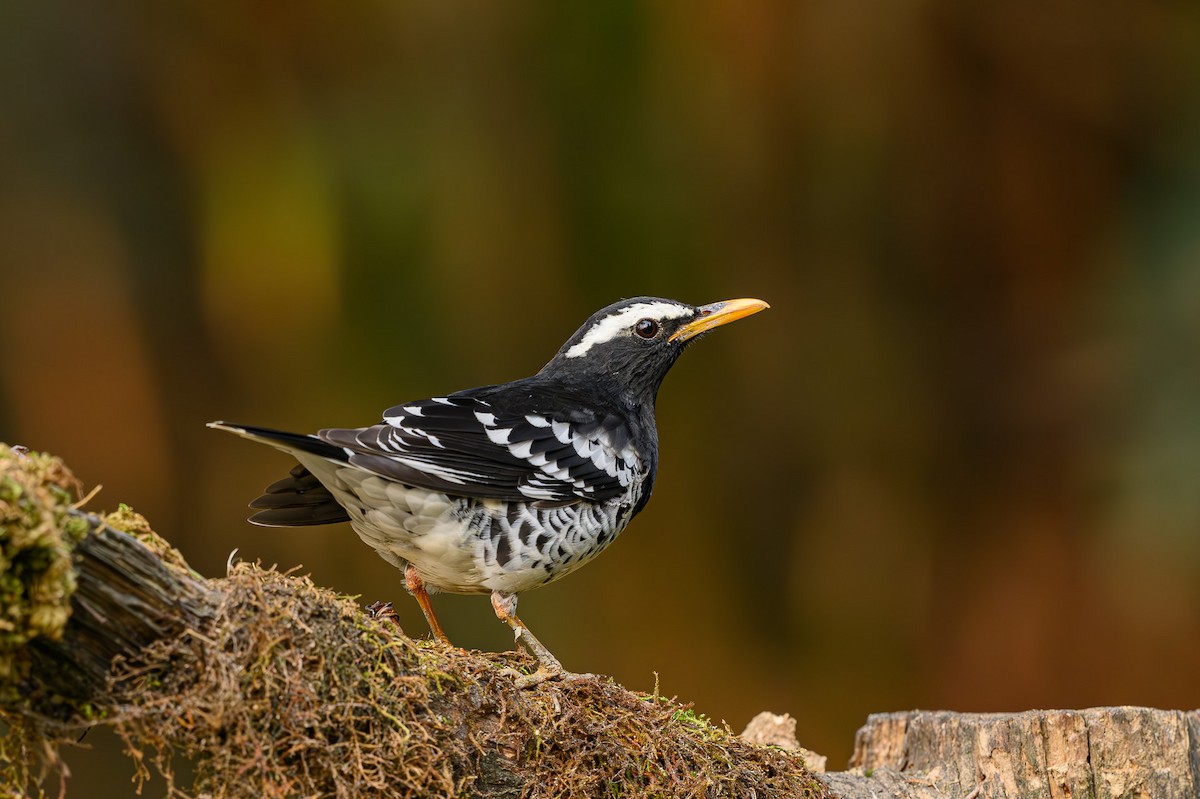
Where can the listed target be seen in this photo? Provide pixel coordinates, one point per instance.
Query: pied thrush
(504, 488)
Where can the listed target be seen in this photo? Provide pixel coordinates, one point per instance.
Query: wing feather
(467, 445)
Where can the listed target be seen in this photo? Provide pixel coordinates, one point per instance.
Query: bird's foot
(543, 673)
(385, 612)
(549, 668)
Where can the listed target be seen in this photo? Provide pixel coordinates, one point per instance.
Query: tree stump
(1101, 753)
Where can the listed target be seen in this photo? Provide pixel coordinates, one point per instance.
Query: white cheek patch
(620, 323)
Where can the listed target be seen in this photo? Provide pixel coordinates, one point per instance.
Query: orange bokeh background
(957, 465)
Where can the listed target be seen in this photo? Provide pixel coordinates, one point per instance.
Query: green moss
(127, 520)
(37, 538)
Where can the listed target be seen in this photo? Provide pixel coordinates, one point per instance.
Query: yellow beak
(717, 314)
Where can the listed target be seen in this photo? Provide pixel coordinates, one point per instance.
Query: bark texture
(126, 598)
(1101, 753)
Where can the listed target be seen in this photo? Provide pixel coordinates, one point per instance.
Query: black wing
(493, 448)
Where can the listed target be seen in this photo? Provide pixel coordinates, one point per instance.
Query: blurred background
(956, 466)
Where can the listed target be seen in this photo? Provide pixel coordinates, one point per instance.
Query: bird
(503, 488)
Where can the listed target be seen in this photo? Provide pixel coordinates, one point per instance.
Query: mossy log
(272, 686)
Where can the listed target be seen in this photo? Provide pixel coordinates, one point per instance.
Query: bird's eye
(646, 328)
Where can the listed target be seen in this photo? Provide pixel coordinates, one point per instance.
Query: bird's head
(632, 344)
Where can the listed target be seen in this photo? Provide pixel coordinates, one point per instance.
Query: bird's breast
(464, 545)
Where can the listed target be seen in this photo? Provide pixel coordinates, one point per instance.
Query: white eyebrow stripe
(614, 324)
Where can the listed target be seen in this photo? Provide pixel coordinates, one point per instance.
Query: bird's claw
(543, 673)
(383, 611)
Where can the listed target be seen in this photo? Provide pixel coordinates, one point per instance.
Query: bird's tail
(300, 499)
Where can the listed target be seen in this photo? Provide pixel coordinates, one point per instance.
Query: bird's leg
(416, 587)
(505, 606)
(548, 668)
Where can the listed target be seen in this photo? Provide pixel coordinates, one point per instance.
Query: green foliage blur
(957, 465)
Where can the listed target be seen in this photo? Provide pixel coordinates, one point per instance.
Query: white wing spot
(604, 461)
(583, 446)
(536, 491)
(458, 476)
(499, 435)
(552, 468)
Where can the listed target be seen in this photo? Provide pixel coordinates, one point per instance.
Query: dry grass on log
(277, 687)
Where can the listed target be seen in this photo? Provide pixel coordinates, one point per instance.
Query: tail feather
(299, 499)
(287, 442)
